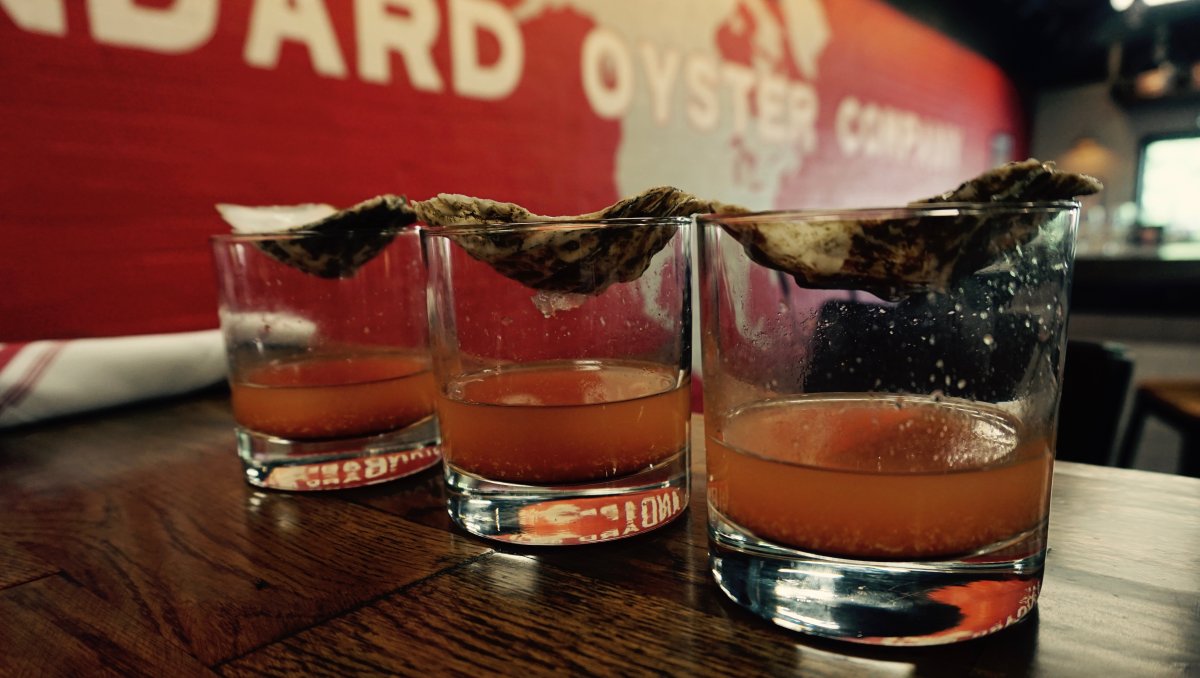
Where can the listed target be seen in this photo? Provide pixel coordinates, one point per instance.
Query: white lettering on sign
(472, 78)
(37, 16)
(661, 70)
(740, 80)
(700, 73)
(305, 21)
(782, 110)
(779, 110)
(875, 131)
(381, 32)
(607, 73)
(183, 27)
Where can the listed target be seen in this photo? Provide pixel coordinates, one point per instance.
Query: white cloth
(44, 379)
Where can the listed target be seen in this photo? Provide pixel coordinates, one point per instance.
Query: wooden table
(130, 545)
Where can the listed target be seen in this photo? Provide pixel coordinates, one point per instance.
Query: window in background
(1167, 181)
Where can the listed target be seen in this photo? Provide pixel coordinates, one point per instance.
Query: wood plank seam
(353, 608)
(31, 580)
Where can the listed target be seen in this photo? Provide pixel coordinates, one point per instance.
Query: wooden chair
(1095, 385)
(1176, 403)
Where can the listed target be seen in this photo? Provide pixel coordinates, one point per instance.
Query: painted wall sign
(126, 120)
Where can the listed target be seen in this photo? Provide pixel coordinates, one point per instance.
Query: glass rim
(939, 209)
(301, 234)
(499, 227)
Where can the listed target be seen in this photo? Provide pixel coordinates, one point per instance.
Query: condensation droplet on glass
(988, 340)
(962, 383)
(940, 363)
(983, 315)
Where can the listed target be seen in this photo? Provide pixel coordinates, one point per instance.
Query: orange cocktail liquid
(564, 421)
(334, 397)
(869, 476)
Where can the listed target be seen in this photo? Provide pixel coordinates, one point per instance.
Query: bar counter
(129, 545)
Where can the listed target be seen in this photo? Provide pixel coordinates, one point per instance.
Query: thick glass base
(879, 603)
(307, 465)
(569, 514)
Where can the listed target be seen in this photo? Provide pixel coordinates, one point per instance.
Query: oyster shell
(581, 258)
(894, 258)
(336, 243)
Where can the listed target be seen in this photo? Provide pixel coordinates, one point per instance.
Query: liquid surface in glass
(878, 476)
(348, 395)
(564, 421)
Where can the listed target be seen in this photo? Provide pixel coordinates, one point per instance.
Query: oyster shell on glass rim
(582, 257)
(336, 243)
(890, 258)
(895, 257)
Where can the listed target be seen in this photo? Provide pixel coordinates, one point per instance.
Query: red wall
(116, 142)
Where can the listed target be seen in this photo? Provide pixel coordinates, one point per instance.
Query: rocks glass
(879, 470)
(330, 376)
(564, 415)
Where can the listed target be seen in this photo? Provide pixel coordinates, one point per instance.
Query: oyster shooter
(330, 377)
(880, 441)
(564, 391)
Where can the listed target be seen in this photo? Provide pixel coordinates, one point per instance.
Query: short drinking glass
(565, 415)
(879, 468)
(329, 372)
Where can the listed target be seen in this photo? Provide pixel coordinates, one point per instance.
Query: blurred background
(125, 121)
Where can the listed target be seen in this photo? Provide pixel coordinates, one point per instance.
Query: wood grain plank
(1121, 586)
(180, 542)
(1116, 524)
(54, 627)
(18, 565)
(512, 615)
(1092, 624)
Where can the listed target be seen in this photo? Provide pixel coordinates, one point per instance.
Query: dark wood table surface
(130, 545)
